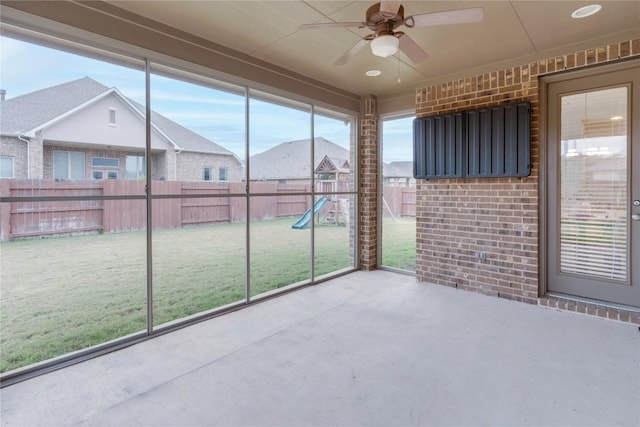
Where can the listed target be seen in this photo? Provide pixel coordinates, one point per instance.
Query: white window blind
(594, 195)
(593, 219)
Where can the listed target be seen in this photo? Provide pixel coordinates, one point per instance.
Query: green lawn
(59, 295)
(399, 243)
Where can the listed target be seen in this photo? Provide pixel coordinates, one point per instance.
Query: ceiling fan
(384, 17)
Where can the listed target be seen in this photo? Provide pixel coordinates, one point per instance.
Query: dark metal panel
(472, 165)
(438, 146)
(497, 141)
(430, 147)
(524, 139)
(511, 133)
(419, 158)
(487, 142)
(453, 156)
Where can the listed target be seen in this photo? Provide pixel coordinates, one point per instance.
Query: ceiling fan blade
(333, 25)
(389, 8)
(462, 16)
(351, 52)
(411, 49)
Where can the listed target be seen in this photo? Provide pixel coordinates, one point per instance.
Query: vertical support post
(148, 198)
(368, 183)
(247, 170)
(313, 195)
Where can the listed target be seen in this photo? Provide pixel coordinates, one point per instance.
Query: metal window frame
(138, 170)
(69, 166)
(226, 169)
(382, 120)
(204, 172)
(151, 330)
(106, 158)
(13, 161)
(112, 117)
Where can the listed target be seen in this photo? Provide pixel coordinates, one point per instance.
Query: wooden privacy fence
(27, 219)
(400, 200)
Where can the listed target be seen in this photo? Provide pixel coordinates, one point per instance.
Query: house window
(6, 167)
(136, 167)
(112, 116)
(68, 164)
(101, 174)
(207, 174)
(105, 162)
(223, 174)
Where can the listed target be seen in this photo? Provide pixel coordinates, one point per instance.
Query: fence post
(5, 210)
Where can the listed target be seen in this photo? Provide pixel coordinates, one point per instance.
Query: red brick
(500, 217)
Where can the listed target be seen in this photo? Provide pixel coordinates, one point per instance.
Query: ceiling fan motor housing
(384, 17)
(380, 21)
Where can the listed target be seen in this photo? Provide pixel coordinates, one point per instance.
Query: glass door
(594, 196)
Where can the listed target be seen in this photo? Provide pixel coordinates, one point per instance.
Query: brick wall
(163, 165)
(17, 150)
(456, 219)
(47, 160)
(189, 166)
(36, 153)
(368, 184)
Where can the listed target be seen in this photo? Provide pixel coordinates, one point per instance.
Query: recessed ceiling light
(585, 11)
(373, 73)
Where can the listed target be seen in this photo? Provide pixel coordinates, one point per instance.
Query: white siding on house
(91, 126)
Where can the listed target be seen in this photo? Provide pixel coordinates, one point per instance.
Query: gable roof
(23, 113)
(332, 164)
(35, 109)
(290, 160)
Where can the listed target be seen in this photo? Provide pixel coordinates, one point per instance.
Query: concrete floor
(370, 348)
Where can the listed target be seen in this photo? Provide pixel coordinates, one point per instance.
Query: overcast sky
(215, 114)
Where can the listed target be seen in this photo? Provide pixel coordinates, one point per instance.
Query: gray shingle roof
(23, 113)
(290, 160)
(185, 138)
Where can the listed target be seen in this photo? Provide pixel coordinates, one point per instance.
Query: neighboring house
(85, 130)
(289, 162)
(398, 174)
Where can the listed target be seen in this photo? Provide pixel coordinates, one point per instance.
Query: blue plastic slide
(306, 218)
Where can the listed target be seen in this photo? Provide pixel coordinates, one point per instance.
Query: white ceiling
(512, 31)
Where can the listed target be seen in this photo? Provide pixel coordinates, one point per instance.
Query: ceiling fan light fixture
(385, 45)
(585, 11)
